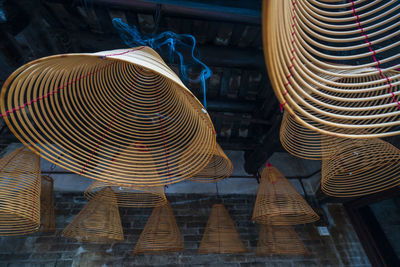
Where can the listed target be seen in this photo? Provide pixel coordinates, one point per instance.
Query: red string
(126, 52)
(66, 84)
(373, 54)
(163, 133)
(281, 105)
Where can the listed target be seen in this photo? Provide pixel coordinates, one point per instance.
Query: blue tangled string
(170, 40)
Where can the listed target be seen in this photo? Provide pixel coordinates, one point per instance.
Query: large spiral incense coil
(279, 240)
(278, 202)
(333, 66)
(220, 235)
(120, 116)
(98, 222)
(19, 193)
(47, 214)
(219, 168)
(161, 233)
(132, 196)
(360, 167)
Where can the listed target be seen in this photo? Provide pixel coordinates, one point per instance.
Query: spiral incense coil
(279, 240)
(305, 143)
(137, 197)
(121, 117)
(47, 215)
(19, 193)
(219, 168)
(360, 167)
(161, 233)
(278, 202)
(98, 221)
(220, 235)
(335, 64)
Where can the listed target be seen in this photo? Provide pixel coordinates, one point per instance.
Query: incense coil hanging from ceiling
(359, 167)
(132, 196)
(220, 235)
(98, 222)
(122, 116)
(279, 240)
(334, 66)
(19, 193)
(219, 168)
(278, 202)
(47, 214)
(161, 233)
(305, 143)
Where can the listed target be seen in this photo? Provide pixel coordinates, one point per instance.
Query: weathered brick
(64, 263)
(191, 213)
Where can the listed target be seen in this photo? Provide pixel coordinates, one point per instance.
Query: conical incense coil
(360, 167)
(279, 240)
(47, 215)
(278, 202)
(303, 142)
(335, 64)
(98, 221)
(220, 235)
(132, 196)
(81, 111)
(19, 193)
(161, 233)
(219, 168)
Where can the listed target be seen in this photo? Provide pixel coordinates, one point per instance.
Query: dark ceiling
(240, 99)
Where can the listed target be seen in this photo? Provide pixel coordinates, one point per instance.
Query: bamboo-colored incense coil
(98, 221)
(132, 196)
(219, 168)
(220, 235)
(360, 167)
(81, 111)
(19, 193)
(278, 202)
(279, 240)
(334, 66)
(47, 215)
(161, 233)
(305, 143)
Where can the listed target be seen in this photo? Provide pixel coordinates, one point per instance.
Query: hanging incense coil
(279, 240)
(360, 167)
(334, 67)
(161, 233)
(278, 202)
(136, 197)
(219, 168)
(220, 235)
(19, 193)
(305, 143)
(98, 221)
(47, 215)
(121, 117)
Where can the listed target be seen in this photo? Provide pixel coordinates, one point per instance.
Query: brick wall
(341, 248)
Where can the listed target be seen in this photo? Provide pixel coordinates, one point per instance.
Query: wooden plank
(224, 34)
